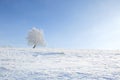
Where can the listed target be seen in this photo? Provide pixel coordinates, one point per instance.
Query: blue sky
(78, 24)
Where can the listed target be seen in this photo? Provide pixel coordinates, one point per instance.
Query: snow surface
(59, 64)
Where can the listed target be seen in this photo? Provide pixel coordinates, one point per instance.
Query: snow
(59, 64)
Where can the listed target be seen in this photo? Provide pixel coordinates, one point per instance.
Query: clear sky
(78, 24)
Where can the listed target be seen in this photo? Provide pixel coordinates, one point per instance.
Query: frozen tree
(35, 37)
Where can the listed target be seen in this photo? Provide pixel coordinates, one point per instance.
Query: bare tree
(35, 37)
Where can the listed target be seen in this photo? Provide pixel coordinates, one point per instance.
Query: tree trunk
(34, 46)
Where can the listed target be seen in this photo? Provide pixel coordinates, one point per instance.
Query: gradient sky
(78, 24)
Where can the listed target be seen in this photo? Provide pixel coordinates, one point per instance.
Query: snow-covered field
(59, 64)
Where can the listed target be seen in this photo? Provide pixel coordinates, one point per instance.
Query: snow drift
(59, 64)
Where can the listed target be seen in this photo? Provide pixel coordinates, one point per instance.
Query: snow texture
(59, 64)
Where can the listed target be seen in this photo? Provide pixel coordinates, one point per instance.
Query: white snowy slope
(59, 64)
